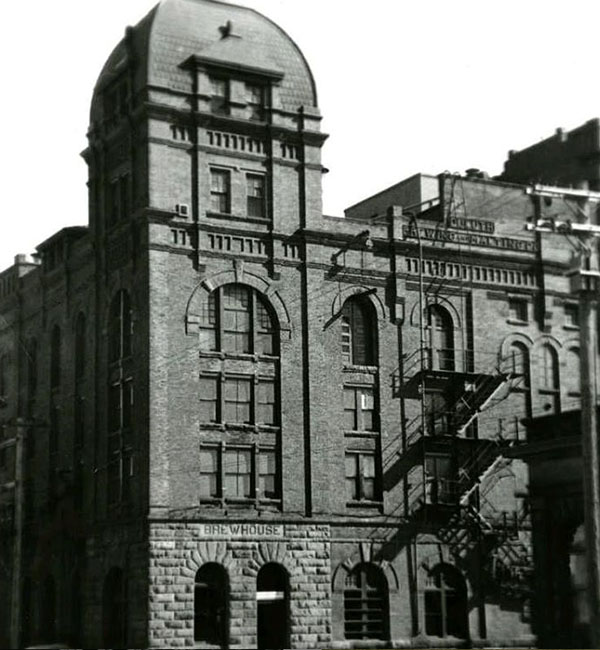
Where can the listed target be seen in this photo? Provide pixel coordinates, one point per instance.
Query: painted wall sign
(445, 236)
(477, 225)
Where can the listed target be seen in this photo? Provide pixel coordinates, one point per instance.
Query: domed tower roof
(178, 29)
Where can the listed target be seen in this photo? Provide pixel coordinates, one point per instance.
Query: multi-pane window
(237, 400)
(208, 396)
(55, 345)
(359, 408)
(446, 603)
(119, 452)
(440, 483)
(255, 196)
(358, 332)
(549, 386)
(256, 96)
(265, 403)
(361, 478)
(235, 319)
(220, 191)
(120, 327)
(237, 473)
(441, 338)
(219, 96)
(366, 603)
(517, 310)
(231, 472)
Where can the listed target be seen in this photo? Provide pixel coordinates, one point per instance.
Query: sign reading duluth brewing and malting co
(240, 531)
(478, 233)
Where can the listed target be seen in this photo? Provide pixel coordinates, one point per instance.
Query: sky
(404, 87)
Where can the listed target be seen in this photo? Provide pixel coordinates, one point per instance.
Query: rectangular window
(359, 408)
(237, 473)
(267, 474)
(255, 196)
(220, 191)
(237, 401)
(265, 408)
(208, 397)
(517, 310)
(256, 101)
(264, 342)
(209, 472)
(219, 91)
(572, 315)
(361, 476)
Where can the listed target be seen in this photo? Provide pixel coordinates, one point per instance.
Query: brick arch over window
(367, 293)
(439, 301)
(344, 569)
(266, 289)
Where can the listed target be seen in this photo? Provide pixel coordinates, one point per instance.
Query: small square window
(572, 315)
(517, 309)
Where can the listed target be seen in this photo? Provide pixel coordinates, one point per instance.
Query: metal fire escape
(449, 471)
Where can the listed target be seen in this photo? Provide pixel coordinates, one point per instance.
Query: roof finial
(226, 29)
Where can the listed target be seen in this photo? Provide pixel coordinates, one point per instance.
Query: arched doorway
(114, 610)
(446, 603)
(211, 590)
(272, 591)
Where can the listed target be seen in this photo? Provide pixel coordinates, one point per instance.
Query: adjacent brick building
(247, 424)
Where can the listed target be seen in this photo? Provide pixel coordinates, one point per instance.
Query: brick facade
(265, 387)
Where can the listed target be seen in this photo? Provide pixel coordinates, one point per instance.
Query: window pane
(267, 472)
(208, 399)
(209, 472)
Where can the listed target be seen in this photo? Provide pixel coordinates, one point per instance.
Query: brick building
(242, 423)
(568, 158)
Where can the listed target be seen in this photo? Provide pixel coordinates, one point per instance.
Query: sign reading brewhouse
(240, 531)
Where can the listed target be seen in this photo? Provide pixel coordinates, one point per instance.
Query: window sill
(371, 370)
(515, 321)
(371, 505)
(571, 328)
(353, 433)
(236, 217)
(238, 356)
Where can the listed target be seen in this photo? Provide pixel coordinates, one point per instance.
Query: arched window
(446, 603)
(114, 609)
(441, 338)
(518, 364)
(119, 327)
(55, 357)
(366, 603)
(272, 592)
(236, 319)
(211, 593)
(358, 332)
(549, 386)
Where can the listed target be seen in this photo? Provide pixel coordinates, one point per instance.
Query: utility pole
(585, 281)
